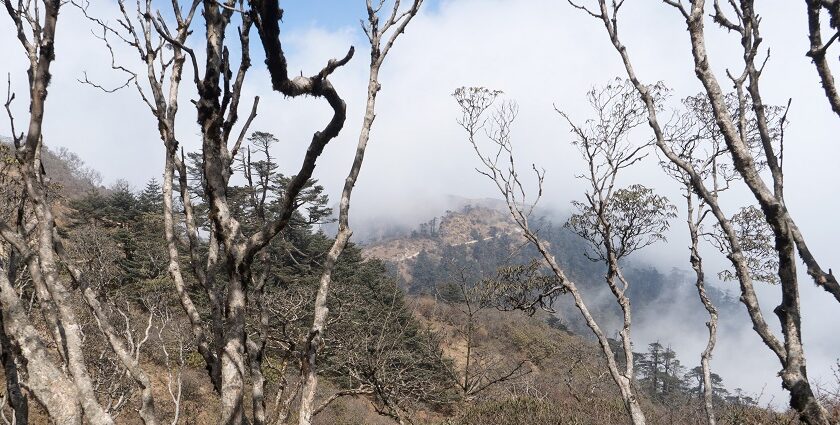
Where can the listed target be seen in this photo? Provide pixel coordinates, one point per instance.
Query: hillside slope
(483, 238)
(540, 370)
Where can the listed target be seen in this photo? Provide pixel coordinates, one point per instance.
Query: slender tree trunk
(468, 361)
(614, 273)
(705, 358)
(48, 384)
(315, 340)
(17, 400)
(256, 346)
(174, 269)
(624, 382)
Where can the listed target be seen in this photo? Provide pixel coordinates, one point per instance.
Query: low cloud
(541, 53)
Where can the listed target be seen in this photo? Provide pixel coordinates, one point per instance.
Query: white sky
(541, 53)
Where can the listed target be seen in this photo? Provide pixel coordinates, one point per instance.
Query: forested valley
(228, 280)
(402, 328)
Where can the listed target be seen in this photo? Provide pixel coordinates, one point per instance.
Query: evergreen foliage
(373, 343)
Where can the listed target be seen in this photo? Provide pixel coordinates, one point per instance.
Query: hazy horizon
(418, 154)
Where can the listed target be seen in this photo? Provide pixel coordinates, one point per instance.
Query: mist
(418, 163)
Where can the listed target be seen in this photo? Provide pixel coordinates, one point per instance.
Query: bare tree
(58, 313)
(696, 140)
(468, 298)
(34, 239)
(217, 113)
(148, 33)
(611, 242)
(788, 238)
(225, 345)
(819, 49)
(382, 37)
(64, 387)
(616, 221)
(696, 212)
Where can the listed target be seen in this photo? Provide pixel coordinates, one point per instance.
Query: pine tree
(150, 200)
(122, 204)
(90, 208)
(424, 273)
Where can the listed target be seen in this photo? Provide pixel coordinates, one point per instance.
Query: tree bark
(817, 51)
(18, 401)
(47, 383)
(700, 282)
(41, 53)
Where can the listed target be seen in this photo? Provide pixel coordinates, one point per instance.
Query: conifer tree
(150, 200)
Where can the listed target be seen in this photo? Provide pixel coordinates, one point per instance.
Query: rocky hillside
(63, 169)
(566, 380)
(468, 226)
(437, 238)
(482, 238)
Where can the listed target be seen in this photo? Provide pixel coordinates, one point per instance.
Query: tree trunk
(17, 400)
(44, 380)
(233, 355)
(697, 264)
(624, 383)
(211, 359)
(314, 341)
